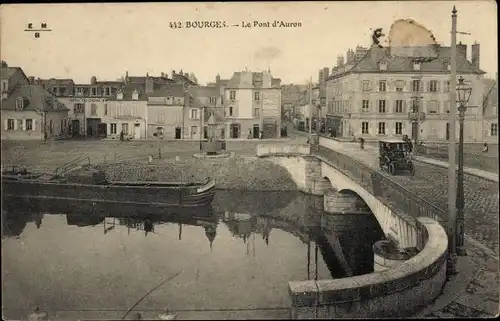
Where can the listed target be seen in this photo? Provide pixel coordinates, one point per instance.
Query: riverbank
(236, 173)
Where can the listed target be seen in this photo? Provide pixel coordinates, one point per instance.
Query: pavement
(474, 290)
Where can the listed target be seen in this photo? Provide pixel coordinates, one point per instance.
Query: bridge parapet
(396, 292)
(283, 150)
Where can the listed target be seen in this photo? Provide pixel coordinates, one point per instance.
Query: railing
(485, 161)
(381, 186)
(68, 166)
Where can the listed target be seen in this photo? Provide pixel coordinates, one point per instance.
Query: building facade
(166, 112)
(490, 111)
(382, 95)
(252, 103)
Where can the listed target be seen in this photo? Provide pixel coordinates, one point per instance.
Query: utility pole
(310, 109)
(452, 187)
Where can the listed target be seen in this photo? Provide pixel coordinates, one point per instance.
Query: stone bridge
(348, 188)
(351, 187)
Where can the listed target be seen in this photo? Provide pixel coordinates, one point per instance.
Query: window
(399, 128)
(494, 129)
(416, 66)
(125, 128)
(364, 128)
(19, 124)
(135, 95)
(194, 130)
(415, 85)
(365, 106)
(194, 113)
(93, 110)
(19, 103)
(29, 124)
(399, 107)
(79, 91)
(10, 124)
(231, 111)
(381, 128)
(112, 128)
(381, 106)
(447, 86)
(382, 85)
(256, 95)
(119, 95)
(256, 112)
(366, 85)
(105, 109)
(448, 67)
(213, 100)
(232, 94)
(4, 85)
(94, 91)
(400, 85)
(383, 65)
(54, 91)
(79, 108)
(433, 107)
(415, 106)
(107, 91)
(433, 86)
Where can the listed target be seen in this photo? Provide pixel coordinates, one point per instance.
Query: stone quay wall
(395, 292)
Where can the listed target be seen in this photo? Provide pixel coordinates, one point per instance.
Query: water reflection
(245, 219)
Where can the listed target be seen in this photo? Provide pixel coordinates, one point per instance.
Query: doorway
(178, 132)
(101, 130)
(235, 131)
(137, 131)
(256, 130)
(89, 130)
(447, 131)
(75, 127)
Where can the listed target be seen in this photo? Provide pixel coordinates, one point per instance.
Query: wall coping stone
(365, 287)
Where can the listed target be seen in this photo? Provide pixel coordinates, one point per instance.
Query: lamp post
(452, 192)
(464, 92)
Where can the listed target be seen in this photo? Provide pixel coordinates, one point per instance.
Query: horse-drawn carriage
(394, 156)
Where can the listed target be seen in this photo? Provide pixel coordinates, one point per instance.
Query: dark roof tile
(36, 98)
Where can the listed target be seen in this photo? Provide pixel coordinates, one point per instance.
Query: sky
(106, 40)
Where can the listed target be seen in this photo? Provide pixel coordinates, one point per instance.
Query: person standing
(122, 136)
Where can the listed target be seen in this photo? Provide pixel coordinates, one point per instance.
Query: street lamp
(464, 92)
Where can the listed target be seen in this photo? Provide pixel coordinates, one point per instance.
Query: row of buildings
(387, 92)
(176, 107)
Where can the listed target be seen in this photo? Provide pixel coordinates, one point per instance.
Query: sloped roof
(35, 98)
(173, 90)
(57, 81)
(204, 91)
(438, 64)
(7, 72)
(129, 89)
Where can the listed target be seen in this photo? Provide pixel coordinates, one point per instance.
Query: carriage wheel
(392, 169)
(411, 167)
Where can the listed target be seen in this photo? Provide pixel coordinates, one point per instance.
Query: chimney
(149, 85)
(147, 74)
(326, 73)
(93, 80)
(180, 73)
(217, 79)
(350, 55)
(340, 61)
(32, 80)
(162, 75)
(475, 55)
(173, 73)
(462, 50)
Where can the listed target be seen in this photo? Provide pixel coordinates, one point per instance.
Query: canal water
(239, 255)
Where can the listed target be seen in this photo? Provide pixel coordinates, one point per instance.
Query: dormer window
(79, 91)
(416, 66)
(19, 103)
(383, 65)
(135, 95)
(119, 94)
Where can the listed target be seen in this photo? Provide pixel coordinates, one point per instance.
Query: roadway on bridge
(431, 183)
